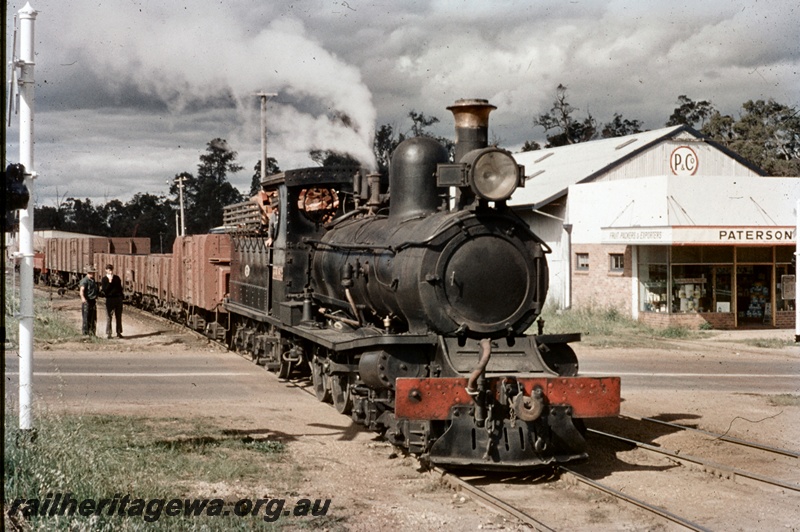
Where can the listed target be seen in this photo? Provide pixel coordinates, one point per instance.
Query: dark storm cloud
(135, 89)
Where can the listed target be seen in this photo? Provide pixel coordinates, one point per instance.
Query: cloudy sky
(129, 92)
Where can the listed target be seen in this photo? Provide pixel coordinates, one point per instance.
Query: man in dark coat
(88, 291)
(112, 289)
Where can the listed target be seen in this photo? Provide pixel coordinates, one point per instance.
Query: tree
(767, 134)
(419, 128)
(572, 131)
(620, 127)
(148, 216)
(46, 217)
(690, 113)
(255, 183)
(531, 145)
(116, 218)
(420, 123)
(383, 145)
(206, 195)
(80, 216)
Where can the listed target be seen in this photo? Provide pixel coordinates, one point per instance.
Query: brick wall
(785, 319)
(598, 286)
(689, 320)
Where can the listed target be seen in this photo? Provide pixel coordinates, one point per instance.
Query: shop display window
(653, 295)
(687, 279)
(722, 290)
(690, 288)
(753, 293)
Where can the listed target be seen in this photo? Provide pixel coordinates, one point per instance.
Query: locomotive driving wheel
(320, 381)
(340, 393)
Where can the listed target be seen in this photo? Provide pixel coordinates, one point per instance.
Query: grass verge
(784, 399)
(49, 325)
(609, 328)
(103, 457)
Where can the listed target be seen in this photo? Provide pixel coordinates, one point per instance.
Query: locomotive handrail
(317, 243)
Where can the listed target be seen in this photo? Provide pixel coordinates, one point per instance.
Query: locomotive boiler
(410, 306)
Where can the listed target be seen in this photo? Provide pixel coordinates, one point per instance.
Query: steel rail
(637, 502)
(723, 437)
(490, 500)
(707, 463)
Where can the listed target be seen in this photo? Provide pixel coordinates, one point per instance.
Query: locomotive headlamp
(491, 173)
(495, 175)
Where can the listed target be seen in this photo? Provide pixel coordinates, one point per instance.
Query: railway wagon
(67, 259)
(188, 285)
(200, 281)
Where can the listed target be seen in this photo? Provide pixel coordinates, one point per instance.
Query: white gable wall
(656, 161)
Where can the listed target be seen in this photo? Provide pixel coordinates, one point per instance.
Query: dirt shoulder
(371, 487)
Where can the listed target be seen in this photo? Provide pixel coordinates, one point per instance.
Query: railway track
(709, 465)
(493, 493)
(723, 437)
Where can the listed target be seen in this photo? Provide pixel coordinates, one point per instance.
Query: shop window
(653, 254)
(616, 262)
(702, 254)
(653, 296)
(686, 254)
(784, 254)
(718, 254)
(690, 288)
(582, 261)
(753, 296)
(721, 289)
(754, 254)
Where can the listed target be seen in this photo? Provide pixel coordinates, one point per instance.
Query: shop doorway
(753, 295)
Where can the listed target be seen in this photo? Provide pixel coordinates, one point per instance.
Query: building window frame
(582, 262)
(616, 262)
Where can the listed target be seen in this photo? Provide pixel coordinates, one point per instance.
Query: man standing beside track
(88, 290)
(112, 289)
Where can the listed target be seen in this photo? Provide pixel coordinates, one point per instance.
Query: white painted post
(796, 261)
(27, 16)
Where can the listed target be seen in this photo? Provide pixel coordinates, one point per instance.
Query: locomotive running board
(430, 398)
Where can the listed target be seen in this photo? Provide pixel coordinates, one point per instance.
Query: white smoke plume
(209, 56)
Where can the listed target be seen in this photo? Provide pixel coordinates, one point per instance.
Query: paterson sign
(699, 235)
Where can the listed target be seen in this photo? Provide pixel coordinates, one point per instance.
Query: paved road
(768, 374)
(161, 383)
(191, 379)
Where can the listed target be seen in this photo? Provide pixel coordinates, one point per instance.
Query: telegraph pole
(264, 97)
(179, 180)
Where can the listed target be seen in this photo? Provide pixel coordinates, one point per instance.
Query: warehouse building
(665, 226)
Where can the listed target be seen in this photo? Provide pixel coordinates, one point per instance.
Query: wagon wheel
(321, 381)
(340, 393)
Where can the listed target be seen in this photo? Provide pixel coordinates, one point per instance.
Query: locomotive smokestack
(472, 125)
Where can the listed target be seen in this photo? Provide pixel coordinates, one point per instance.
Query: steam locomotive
(411, 309)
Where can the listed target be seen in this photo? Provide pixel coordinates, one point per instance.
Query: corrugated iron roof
(550, 172)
